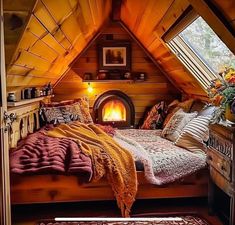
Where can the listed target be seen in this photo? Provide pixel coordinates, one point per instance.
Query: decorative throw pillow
(176, 123)
(85, 110)
(156, 116)
(52, 115)
(186, 105)
(175, 106)
(69, 110)
(194, 134)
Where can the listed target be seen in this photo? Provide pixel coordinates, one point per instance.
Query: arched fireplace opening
(114, 108)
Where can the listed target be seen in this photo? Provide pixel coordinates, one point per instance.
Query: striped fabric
(194, 134)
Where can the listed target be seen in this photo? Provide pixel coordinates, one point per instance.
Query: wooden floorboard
(29, 215)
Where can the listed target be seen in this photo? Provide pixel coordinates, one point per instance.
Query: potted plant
(222, 94)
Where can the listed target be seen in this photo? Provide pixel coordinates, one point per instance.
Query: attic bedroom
(117, 109)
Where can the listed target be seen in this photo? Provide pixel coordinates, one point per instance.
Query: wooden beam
(5, 203)
(205, 11)
(116, 10)
(81, 53)
(149, 55)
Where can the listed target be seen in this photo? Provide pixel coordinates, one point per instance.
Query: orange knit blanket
(109, 159)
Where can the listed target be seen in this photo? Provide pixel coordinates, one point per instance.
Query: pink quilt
(163, 161)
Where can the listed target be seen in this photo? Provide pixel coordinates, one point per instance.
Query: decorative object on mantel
(139, 76)
(222, 93)
(127, 75)
(87, 76)
(102, 75)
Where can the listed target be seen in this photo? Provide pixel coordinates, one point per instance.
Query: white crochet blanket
(163, 161)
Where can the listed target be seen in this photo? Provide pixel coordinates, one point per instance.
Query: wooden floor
(29, 215)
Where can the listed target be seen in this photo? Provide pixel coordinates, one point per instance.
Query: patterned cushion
(155, 117)
(194, 134)
(52, 115)
(67, 111)
(85, 110)
(174, 106)
(176, 123)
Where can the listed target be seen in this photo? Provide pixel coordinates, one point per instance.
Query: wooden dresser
(221, 160)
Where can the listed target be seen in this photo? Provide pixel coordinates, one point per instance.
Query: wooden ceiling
(58, 30)
(16, 13)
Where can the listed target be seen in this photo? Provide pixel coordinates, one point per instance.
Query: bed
(48, 188)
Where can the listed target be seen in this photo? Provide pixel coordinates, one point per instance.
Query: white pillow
(176, 123)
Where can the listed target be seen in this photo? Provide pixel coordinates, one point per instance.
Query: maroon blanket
(39, 153)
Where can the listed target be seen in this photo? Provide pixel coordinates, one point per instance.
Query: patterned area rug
(179, 220)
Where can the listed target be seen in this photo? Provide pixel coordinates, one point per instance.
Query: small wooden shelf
(112, 81)
(27, 101)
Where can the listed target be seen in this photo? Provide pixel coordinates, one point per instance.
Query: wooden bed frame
(26, 189)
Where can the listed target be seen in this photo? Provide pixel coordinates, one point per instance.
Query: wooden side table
(221, 160)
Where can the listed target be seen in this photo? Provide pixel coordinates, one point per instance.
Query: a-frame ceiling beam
(116, 10)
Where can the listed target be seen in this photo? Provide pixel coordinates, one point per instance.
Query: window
(201, 51)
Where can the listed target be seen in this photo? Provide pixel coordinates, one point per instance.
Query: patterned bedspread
(163, 161)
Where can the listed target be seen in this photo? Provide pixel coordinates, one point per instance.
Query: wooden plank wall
(143, 94)
(147, 20)
(227, 8)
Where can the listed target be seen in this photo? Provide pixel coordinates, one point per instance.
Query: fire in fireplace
(114, 108)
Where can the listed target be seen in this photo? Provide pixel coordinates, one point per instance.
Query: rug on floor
(176, 220)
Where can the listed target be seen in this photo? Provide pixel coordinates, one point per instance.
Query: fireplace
(114, 108)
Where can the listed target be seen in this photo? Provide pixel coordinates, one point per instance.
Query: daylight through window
(202, 51)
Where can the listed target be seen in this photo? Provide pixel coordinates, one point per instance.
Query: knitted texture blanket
(41, 154)
(109, 159)
(163, 161)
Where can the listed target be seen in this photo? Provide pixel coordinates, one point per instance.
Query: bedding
(175, 106)
(74, 144)
(195, 134)
(163, 161)
(109, 160)
(155, 117)
(41, 154)
(66, 111)
(176, 123)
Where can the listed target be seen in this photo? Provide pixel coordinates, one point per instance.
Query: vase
(228, 113)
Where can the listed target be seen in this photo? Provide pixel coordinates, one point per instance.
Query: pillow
(176, 105)
(186, 105)
(67, 111)
(176, 123)
(52, 115)
(155, 117)
(194, 134)
(83, 106)
(208, 110)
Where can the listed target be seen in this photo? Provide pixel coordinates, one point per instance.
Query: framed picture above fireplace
(113, 55)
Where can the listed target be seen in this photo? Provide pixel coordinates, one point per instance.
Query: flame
(114, 111)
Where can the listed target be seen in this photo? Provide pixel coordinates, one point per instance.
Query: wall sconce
(90, 88)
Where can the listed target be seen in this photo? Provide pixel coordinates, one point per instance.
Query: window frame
(192, 61)
(195, 64)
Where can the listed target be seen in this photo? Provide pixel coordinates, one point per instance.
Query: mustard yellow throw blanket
(108, 158)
